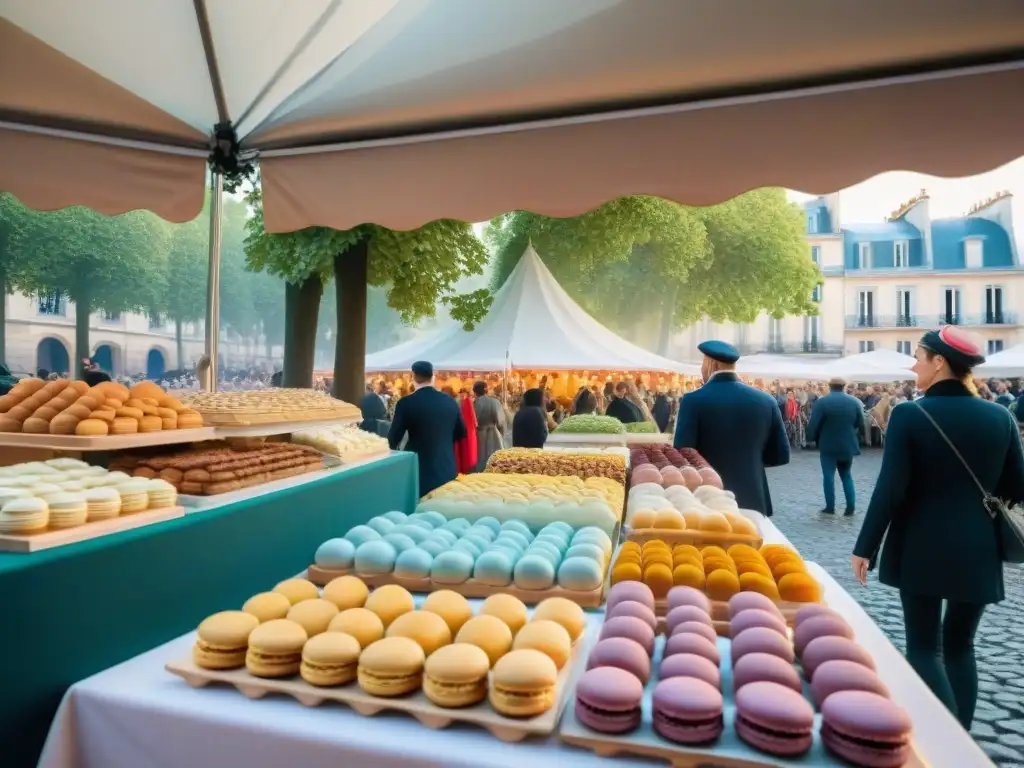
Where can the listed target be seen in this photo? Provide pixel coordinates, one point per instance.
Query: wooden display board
(106, 442)
(35, 542)
(276, 426)
(416, 704)
(469, 589)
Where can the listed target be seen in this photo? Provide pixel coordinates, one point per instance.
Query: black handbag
(1009, 518)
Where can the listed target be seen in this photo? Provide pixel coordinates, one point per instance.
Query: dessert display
(59, 494)
(535, 499)
(688, 698)
(268, 406)
(426, 551)
(708, 514)
(641, 428)
(664, 465)
(375, 650)
(591, 424)
(63, 407)
(347, 443)
(773, 574)
(209, 471)
(535, 461)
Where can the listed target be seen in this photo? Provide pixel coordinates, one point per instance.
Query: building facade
(884, 284)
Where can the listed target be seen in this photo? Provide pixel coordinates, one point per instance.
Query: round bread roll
(92, 428)
(36, 426)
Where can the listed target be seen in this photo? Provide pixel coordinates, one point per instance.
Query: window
(863, 255)
(110, 317)
(901, 254)
(903, 347)
(52, 304)
(950, 306)
(905, 307)
(973, 255)
(816, 293)
(816, 254)
(866, 346)
(156, 321)
(774, 334)
(995, 345)
(812, 333)
(994, 305)
(865, 308)
(812, 222)
(741, 334)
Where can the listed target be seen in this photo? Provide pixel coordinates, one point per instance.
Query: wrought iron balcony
(884, 321)
(854, 322)
(778, 347)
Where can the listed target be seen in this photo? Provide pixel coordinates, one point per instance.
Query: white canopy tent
(879, 365)
(1009, 363)
(769, 366)
(534, 325)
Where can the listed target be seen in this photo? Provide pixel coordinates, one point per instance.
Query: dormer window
(973, 257)
(863, 255)
(901, 254)
(812, 222)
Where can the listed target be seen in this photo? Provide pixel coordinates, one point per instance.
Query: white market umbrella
(1009, 364)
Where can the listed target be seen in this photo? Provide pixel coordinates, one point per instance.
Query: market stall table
(120, 718)
(72, 611)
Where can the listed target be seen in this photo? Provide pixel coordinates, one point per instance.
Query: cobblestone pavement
(796, 495)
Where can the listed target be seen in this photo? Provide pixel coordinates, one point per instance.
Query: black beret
(721, 351)
(423, 369)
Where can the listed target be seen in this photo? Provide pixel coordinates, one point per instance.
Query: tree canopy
(635, 259)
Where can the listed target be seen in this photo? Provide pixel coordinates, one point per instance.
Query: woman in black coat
(941, 544)
(530, 424)
(661, 411)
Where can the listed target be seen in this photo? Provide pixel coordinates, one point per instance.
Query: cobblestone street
(797, 497)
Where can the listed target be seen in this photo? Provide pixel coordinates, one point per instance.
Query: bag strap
(984, 494)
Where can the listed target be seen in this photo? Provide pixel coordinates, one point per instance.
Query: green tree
(111, 263)
(14, 258)
(647, 261)
(420, 269)
(184, 297)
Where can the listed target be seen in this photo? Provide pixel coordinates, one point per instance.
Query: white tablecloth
(137, 715)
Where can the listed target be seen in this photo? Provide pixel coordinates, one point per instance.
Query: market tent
(403, 111)
(533, 324)
(1008, 363)
(769, 366)
(879, 365)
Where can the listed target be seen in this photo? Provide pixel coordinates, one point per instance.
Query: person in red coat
(466, 448)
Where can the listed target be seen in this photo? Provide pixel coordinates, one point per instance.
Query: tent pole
(213, 280)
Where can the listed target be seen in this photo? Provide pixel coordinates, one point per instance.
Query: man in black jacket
(622, 408)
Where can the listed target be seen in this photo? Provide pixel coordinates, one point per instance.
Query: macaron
(687, 613)
(679, 596)
(417, 533)
(67, 510)
(391, 667)
(743, 601)
(517, 526)
(690, 642)
(608, 700)
(389, 602)
(490, 523)
(297, 590)
(275, 649)
(399, 541)
(426, 628)
(267, 606)
(623, 653)
(488, 633)
(330, 658)
(761, 640)
(564, 612)
(347, 592)
(757, 617)
(223, 639)
(842, 675)
(810, 611)
(450, 606)
(866, 729)
(102, 503)
(582, 574)
(314, 616)
(360, 534)
(494, 568)
(534, 572)
(631, 627)
(697, 628)
(636, 591)
(820, 626)
(509, 608)
(523, 683)
(362, 624)
(774, 719)
(335, 555)
(456, 675)
(764, 667)
(587, 550)
(453, 566)
(636, 610)
(414, 563)
(690, 665)
(687, 710)
(374, 558)
(396, 517)
(833, 648)
(381, 525)
(548, 637)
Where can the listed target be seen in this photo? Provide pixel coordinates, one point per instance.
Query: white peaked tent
(1008, 363)
(876, 366)
(533, 324)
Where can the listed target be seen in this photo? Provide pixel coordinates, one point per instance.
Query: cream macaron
(67, 510)
(161, 493)
(102, 503)
(25, 515)
(134, 495)
(64, 464)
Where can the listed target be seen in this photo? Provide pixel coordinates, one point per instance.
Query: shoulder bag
(1009, 518)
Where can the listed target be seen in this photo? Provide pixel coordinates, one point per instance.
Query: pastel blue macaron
(381, 525)
(458, 526)
(580, 573)
(518, 526)
(415, 532)
(518, 538)
(436, 519)
(489, 522)
(553, 539)
(592, 533)
(534, 571)
(478, 538)
(558, 525)
(420, 522)
(434, 546)
(361, 534)
(375, 557)
(586, 549)
(513, 549)
(481, 532)
(414, 564)
(399, 541)
(335, 554)
(395, 517)
(494, 568)
(546, 550)
(446, 536)
(469, 546)
(452, 567)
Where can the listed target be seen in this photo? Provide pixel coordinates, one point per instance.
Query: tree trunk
(301, 308)
(350, 338)
(668, 313)
(83, 310)
(3, 317)
(179, 342)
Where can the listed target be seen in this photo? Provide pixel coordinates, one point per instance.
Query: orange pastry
(787, 567)
(693, 518)
(628, 545)
(78, 411)
(112, 402)
(687, 559)
(168, 424)
(715, 522)
(712, 564)
(669, 520)
(643, 518)
(124, 425)
(92, 403)
(189, 419)
(768, 549)
(713, 551)
(688, 548)
(151, 424)
(743, 552)
(663, 560)
(7, 424)
(35, 426)
(30, 386)
(92, 428)
(21, 412)
(107, 416)
(799, 588)
(629, 557)
(64, 424)
(79, 386)
(148, 410)
(130, 413)
(45, 412)
(659, 578)
(755, 582)
(626, 572)
(753, 566)
(654, 544)
(687, 575)
(146, 389)
(722, 584)
(744, 525)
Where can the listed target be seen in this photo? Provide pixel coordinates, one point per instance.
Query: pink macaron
(820, 626)
(629, 590)
(623, 653)
(634, 609)
(774, 719)
(687, 710)
(866, 729)
(745, 601)
(678, 596)
(811, 610)
(690, 642)
(765, 668)
(833, 648)
(697, 628)
(690, 665)
(756, 617)
(608, 700)
(761, 640)
(686, 613)
(632, 628)
(834, 676)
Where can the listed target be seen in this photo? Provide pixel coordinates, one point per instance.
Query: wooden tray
(470, 589)
(416, 704)
(279, 427)
(107, 442)
(34, 542)
(697, 538)
(728, 752)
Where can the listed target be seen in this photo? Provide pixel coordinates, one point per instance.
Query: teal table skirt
(70, 612)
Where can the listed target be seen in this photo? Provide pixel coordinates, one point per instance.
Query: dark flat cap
(721, 351)
(957, 346)
(422, 369)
